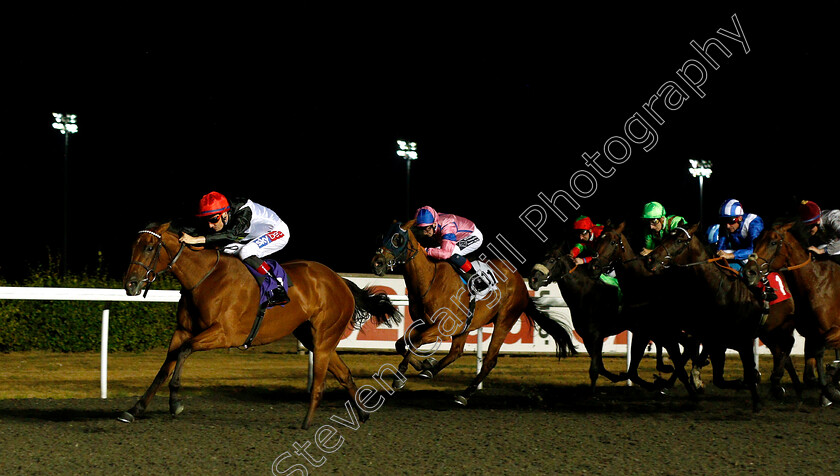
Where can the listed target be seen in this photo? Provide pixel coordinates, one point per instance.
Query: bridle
(152, 275)
(402, 251)
(399, 246)
(668, 259)
(617, 244)
(547, 268)
(765, 268)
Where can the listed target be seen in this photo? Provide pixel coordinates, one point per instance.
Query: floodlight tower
(700, 169)
(408, 151)
(66, 124)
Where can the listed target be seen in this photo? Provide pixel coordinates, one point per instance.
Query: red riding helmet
(583, 223)
(809, 212)
(211, 204)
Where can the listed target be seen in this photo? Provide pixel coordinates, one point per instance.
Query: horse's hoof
(176, 408)
(778, 392)
(426, 374)
(429, 363)
(399, 384)
(825, 401)
(126, 417)
(461, 400)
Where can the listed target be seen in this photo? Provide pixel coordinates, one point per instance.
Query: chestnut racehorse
(439, 306)
(728, 313)
(220, 300)
(814, 284)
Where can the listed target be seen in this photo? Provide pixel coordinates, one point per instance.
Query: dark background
(301, 114)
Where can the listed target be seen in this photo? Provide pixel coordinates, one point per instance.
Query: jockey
(737, 233)
(246, 229)
(660, 224)
(713, 234)
(586, 232)
(457, 236)
(824, 226)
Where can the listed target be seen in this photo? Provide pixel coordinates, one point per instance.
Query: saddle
(485, 273)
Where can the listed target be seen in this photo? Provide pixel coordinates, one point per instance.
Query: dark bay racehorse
(593, 304)
(814, 284)
(649, 310)
(731, 314)
(219, 303)
(439, 306)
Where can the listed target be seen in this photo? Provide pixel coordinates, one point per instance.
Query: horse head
(609, 249)
(398, 246)
(774, 249)
(677, 248)
(150, 256)
(553, 267)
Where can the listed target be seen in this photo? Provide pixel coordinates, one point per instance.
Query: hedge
(76, 326)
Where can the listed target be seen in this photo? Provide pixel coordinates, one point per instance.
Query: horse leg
(500, 331)
(321, 361)
(342, 373)
(661, 366)
(717, 355)
(142, 404)
(637, 353)
(750, 374)
(595, 346)
(337, 367)
(414, 338)
(679, 359)
(797, 385)
(210, 338)
(456, 350)
(810, 375)
(829, 392)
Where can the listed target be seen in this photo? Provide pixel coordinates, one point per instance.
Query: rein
(785, 268)
(152, 275)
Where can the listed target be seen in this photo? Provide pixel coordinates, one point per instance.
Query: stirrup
(278, 297)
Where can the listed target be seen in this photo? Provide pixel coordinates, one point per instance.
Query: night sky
(302, 115)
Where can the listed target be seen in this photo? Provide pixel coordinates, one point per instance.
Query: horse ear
(787, 226)
(620, 227)
(693, 228)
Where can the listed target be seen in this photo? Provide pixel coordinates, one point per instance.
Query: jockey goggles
(215, 218)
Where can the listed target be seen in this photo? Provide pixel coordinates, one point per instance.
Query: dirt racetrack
(533, 417)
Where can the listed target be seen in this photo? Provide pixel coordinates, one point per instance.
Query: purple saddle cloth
(266, 283)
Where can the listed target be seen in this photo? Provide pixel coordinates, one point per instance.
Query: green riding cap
(653, 210)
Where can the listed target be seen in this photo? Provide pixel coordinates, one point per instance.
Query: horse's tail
(561, 334)
(372, 304)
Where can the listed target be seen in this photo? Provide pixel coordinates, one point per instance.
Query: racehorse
(814, 284)
(593, 304)
(439, 305)
(731, 314)
(219, 304)
(648, 309)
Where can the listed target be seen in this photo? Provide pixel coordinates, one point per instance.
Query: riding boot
(278, 295)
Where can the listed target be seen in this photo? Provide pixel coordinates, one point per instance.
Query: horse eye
(150, 248)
